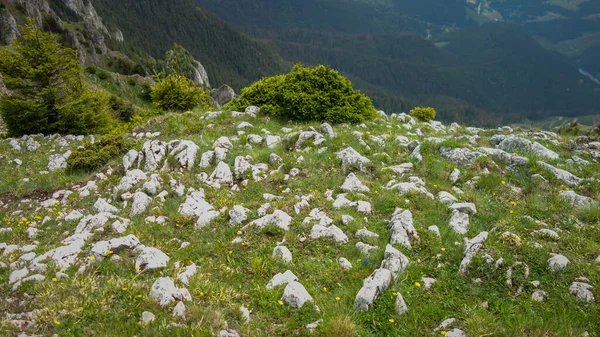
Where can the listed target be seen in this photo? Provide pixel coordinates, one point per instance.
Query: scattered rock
(394, 261)
(582, 290)
(471, 248)
(373, 286)
(283, 253)
(102, 206)
(278, 218)
(402, 228)
(538, 296)
(557, 263)
(352, 184)
(141, 201)
(562, 175)
(147, 318)
(165, 292)
(151, 258)
(576, 199)
(459, 222)
(365, 249)
(352, 159)
(344, 263)
(295, 295)
(280, 279)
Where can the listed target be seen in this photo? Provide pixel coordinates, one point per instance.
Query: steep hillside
(494, 68)
(153, 26)
(487, 73)
(230, 224)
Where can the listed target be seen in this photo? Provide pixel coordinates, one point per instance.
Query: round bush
(177, 92)
(308, 94)
(424, 114)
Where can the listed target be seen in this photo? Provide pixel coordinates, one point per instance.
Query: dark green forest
(399, 52)
(153, 26)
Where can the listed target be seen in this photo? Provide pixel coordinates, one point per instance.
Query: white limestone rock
(447, 198)
(344, 263)
(557, 263)
(402, 228)
(102, 206)
(576, 199)
(280, 279)
(164, 292)
(365, 233)
(562, 175)
(373, 286)
(401, 307)
(237, 215)
(353, 184)
(147, 318)
(282, 253)
(295, 295)
(179, 310)
(151, 258)
(394, 261)
(352, 159)
(365, 249)
(278, 218)
(459, 156)
(153, 186)
(129, 159)
(332, 231)
(459, 222)
(464, 207)
(102, 249)
(471, 248)
(187, 273)
(141, 201)
(583, 291)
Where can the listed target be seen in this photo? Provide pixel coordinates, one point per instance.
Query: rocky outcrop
(222, 95)
(8, 28)
(86, 11)
(200, 76)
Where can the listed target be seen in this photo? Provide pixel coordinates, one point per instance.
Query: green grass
(108, 298)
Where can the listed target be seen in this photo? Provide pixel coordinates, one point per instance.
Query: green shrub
(572, 129)
(594, 132)
(177, 92)
(48, 94)
(95, 156)
(306, 94)
(122, 110)
(424, 114)
(103, 75)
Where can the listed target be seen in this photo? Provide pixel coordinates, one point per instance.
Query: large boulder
(223, 95)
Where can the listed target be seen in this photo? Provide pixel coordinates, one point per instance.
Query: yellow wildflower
(391, 320)
(337, 298)
(280, 302)
(417, 284)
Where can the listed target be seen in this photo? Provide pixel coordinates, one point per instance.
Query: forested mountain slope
(152, 26)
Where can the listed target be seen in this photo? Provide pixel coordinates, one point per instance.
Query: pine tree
(47, 93)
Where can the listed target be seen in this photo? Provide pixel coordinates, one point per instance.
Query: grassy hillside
(102, 288)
